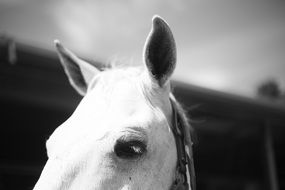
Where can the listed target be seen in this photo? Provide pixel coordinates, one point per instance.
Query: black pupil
(129, 149)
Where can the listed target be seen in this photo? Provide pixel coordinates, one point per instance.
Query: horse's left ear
(160, 51)
(79, 72)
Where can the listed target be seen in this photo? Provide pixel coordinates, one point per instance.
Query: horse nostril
(129, 149)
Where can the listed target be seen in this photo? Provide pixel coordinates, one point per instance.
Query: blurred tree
(269, 89)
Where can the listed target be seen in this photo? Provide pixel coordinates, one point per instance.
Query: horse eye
(129, 149)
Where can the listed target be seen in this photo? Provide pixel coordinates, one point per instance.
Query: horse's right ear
(79, 72)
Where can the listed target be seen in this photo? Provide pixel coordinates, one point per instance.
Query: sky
(225, 45)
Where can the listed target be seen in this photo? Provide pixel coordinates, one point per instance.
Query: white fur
(81, 149)
(118, 103)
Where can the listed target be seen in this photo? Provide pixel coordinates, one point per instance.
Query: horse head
(120, 136)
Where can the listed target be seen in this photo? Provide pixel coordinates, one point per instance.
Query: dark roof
(37, 76)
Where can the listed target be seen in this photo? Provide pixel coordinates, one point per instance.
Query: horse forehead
(116, 93)
(115, 103)
(107, 106)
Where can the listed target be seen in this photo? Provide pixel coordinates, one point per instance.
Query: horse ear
(79, 72)
(160, 51)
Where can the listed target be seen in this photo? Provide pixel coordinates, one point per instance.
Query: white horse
(128, 132)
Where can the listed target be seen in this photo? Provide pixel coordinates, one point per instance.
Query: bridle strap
(183, 159)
